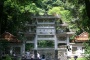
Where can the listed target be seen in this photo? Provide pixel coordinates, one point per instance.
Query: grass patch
(81, 59)
(78, 59)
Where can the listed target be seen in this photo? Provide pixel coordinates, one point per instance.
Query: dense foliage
(15, 13)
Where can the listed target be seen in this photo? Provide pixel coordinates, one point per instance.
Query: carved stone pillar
(35, 54)
(56, 54)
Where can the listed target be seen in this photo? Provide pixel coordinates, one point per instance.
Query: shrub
(8, 57)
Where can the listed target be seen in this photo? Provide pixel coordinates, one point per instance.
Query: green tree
(64, 14)
(15, 13)
(81, 7)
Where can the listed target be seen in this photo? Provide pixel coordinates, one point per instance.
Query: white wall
(77, 49)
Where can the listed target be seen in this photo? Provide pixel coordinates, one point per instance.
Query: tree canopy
(15, 13)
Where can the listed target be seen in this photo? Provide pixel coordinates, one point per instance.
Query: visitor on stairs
(43, 57)
(27, 55)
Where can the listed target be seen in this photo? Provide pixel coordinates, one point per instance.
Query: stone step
(30, 59)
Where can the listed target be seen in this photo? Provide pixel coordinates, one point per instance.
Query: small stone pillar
(56, 54)
(23, 48)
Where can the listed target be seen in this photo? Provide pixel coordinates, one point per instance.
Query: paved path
(31, 59)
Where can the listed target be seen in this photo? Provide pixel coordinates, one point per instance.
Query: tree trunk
(87, 3)
(1, 13)
(3, 19)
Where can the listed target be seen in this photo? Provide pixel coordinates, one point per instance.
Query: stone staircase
(30, 59)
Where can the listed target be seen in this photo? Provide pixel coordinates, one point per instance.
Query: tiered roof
(82, 37)
(47, 16)
(9, 37)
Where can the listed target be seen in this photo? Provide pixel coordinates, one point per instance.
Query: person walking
(75, 57)
(27, 55)
(43, 57)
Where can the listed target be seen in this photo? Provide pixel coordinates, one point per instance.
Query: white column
(23, 48)
(67, 44)
(35, 43)
(55, 42)
(35, 40)
(67, 40)
(11, 50)
(56, 46)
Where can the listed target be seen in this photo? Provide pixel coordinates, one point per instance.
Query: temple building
(77, 45)
(10, 44)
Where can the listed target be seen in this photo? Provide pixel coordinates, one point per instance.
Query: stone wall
(62, 55)
(50, 54)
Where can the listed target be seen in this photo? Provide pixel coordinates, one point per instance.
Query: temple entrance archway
(46, 33)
